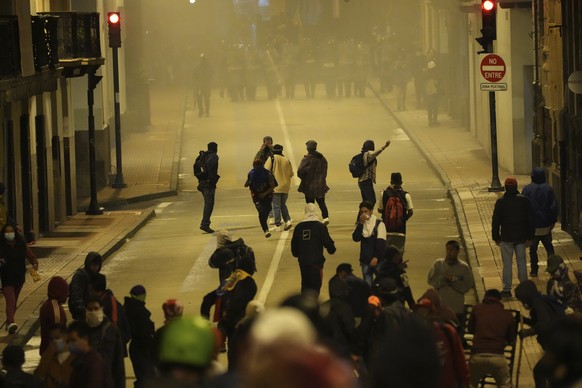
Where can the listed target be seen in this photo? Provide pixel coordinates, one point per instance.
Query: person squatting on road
(261, 183)
(513, 230)
(368, 178)
(310, 236)
(370, 232)
(14, 252)
(545, 208)
(313, 173)
(207, 185)
(282, 170)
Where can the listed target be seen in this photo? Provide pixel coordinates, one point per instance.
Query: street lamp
(114, 24)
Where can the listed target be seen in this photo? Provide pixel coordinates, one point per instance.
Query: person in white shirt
(282, 170)
(370, 232)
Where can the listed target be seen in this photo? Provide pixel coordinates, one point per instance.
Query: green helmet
(187, 340)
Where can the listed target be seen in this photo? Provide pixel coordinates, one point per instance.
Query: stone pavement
(465, 167)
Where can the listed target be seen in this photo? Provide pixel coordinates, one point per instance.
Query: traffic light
(489, 30)
(114, 24)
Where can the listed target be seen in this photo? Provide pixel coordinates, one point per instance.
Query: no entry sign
(493, 68)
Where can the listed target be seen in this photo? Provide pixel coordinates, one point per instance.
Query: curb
(32, 324)
(452, 193)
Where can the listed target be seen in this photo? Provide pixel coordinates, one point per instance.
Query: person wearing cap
(493, 328)
(261, 183)
(310, 236)
(545, 208)
(396, 228)
(512, 229)
(313, 173)
(368, 178)
(282, 170)
(173, 309)
(142, 334)
(560, 286)
(208, 186)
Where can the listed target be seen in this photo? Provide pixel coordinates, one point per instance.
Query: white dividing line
(164, 204)
(273, 268)
(290, 154)
(200, 266)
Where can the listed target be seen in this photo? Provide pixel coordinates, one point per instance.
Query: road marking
(165, 204)
(200, 266)
(273, 268)
(288, 144)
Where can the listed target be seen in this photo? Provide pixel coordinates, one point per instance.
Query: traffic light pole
(495, 183)
(94, 208)
(119, 183)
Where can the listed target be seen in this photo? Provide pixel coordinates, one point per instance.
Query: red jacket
(51, 311)
(454, 369)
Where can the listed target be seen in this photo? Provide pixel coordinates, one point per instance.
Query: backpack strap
(375, 230)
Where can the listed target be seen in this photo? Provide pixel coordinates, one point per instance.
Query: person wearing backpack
(261, 183)
(368, 177)
(370, 232)
(228, 253)
(207, 184)
(396, 210)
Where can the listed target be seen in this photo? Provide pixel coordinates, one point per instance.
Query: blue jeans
(280, 208)
(367, 274)
(533, 249)
(507, 249)
(367, 191)
(208, 195)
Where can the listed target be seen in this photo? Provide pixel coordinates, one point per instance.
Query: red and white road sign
(493, 68)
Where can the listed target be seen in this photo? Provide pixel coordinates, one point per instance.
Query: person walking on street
(52, 312)
(207, 185)
(89, 367)
(431, 94)
(310, 236)
(261, 183)
(396, 210)
(202, 79)
(14, 252)
(313, 173)
(282, 170)
(370, 232)
(545, 214)
(513, 230)
(142, 334)
(79, 286)
(452, 278)
(493, 328)
(368, 178)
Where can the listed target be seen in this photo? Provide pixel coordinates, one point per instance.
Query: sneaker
(267, 234)
(326, 221)
(505, 294)
(275, 228)
(12, 328)
(271, 221)
(207, 229)
(288, 225)
(533, 274)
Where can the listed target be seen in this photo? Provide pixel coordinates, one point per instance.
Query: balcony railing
(9, 47)
(78, 34)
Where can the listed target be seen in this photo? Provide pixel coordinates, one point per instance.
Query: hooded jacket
(51, 311)
(282, 170)
(79, 287)
(441, 312)
(309, 239)
(512, 218)
(543, 200)
(493, 326)
(140, 324)
(313, 173)
(224, 258)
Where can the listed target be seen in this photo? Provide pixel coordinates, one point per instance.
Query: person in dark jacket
(493, 328)
(79, 286)
(12, 361)
(13, 256)
(310, 236)
(513, 230)
(340, 320)
(52, 311)
(394, 267)
(545, 213)
(370, 232)
(208, 186)
(560, 286)
(261, 183)
(358, 289)
(226, 255)
(266, 150)
(111, 307)
(106, 338)
(89, 367)
(202, 80)
(142, 334)
(313, 174)
(368, 178)
(544, 311)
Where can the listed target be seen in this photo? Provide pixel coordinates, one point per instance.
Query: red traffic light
(488, 5)
(113, 17)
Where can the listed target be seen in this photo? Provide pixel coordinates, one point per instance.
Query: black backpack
(356, 165)
(244, 252)
(200, 167)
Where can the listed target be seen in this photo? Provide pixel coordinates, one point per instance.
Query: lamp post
(93, 80)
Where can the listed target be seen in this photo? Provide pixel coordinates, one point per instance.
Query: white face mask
(94, 318)
(10, 236)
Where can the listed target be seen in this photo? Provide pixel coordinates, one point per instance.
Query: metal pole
(119, 183)
(93, 205)
(495, 183)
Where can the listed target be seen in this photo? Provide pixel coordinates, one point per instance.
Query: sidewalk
(150, 162)
(465, 168)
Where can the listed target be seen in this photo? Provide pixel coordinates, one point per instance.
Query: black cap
(212, 146)
(396, 177)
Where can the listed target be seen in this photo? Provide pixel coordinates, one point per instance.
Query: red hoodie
(51, 311)
(454, 369)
